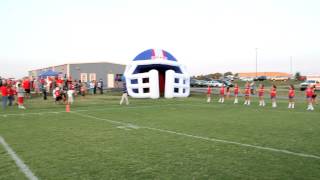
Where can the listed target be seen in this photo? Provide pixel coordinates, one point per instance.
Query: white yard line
(258, 109)
(283, 151)
(22, 166)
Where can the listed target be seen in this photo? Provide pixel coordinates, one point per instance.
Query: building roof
(268, 74)
(49, 67)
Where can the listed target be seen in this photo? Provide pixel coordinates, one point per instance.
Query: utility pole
(291, 65)
(256, 62)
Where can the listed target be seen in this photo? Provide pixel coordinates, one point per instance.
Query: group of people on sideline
(63, 90)
(225, 92)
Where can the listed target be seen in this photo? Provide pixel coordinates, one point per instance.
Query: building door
(110, 79)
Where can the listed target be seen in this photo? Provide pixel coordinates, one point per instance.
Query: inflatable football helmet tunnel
(156, 73)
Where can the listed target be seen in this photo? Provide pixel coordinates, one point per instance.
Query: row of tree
(215, 75)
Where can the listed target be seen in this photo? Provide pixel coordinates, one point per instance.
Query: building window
(92, 77)
(84, 77)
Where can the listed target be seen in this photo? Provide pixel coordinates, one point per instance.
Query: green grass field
(161, 139)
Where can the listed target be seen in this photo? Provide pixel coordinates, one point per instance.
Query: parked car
(260, 78)
(246, 79)
(226, 83)
(214, 83)
(304, 85)
(279, 78)
(197, 83)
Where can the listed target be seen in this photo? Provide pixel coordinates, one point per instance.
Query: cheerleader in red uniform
(236, 93)
(291, 97)
(273, 96)
(221, 99)
(208, 94)
(261, 95)
(247, 94)
(309, 95)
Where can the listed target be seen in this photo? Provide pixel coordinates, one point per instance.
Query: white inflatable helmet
(154, 73)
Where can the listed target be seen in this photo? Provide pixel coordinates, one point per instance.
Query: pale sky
(206, 35)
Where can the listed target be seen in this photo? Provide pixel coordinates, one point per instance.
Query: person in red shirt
(273, 95)
(236, 93)
(247, 93)
(58, 95)
(208, 94)
(261, 95)
(4, 94)
(291, 96)
(221, 99)
(26, 85)
(309, 95)
(11, 94)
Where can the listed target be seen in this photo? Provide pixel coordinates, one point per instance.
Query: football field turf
(160, 139)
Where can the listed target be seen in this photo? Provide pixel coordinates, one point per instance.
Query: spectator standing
(11, 93)
(4, 93)
(95, 87)
(91, 87)
(124, 94)
(100, 86)
(26, 86)
(252, 88)
(20, 94)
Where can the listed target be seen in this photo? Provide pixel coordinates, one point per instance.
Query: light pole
(256, 62)
(291, 65)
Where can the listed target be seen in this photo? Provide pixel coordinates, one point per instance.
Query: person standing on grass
(100, 86)
(261, 95)
(314, 96)
(291, 97)
(26, 85)
(124, 94)
(273, 95)
(11, 93)
(236, 93)
(91, 87)
(221, 99)
(70, 92)
(309, 95)
(83, 89)
(247, 94)
(228, 92)
(208, 94)
(20, 94)
(4, 94)
(43, 88)
(252, 88)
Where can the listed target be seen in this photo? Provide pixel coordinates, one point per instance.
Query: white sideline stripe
(83, 110)
(23, 167)
(152, 106)
(206, 138)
